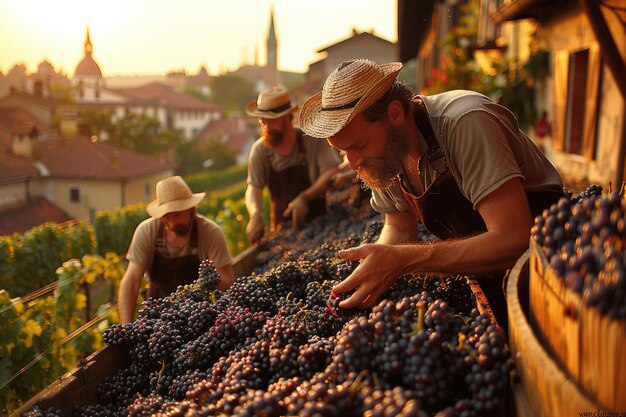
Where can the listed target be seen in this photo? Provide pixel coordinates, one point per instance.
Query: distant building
(173, 110)
(46, 176)
(235, 132)
(41, 107)
(87, 80)
(359, 45)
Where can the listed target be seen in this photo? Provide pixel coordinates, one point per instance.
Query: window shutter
(561, 73)
(591, 105)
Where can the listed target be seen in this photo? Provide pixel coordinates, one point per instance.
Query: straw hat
(272, 103)
(173, 194)
(351, 88)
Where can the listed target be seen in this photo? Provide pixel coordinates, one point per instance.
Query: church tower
(270, 74)
(88, 78)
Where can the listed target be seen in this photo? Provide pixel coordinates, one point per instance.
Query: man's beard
(274, 138)
(379, 173)
(181, 229)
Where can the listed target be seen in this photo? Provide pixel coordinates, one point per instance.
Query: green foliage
(37, 335)
(136, 132)
(191, 156)
(232, 92)
(212, 180)
(30, 260)
(234, 218)
(114, 228)
(457, 68)
(214, 202)
(507, 83)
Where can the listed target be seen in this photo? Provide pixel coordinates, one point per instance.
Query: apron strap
(435, 153)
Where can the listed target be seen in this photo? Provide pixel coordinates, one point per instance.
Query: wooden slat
(548, 390)
(78, 386)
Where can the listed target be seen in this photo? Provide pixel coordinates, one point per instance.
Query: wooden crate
(544, 389)
(588, 346)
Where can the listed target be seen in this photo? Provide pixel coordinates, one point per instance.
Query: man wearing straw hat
(170, 245)
(456, 161)
(296, 168)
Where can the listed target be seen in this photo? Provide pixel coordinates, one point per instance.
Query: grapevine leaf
(30, 329)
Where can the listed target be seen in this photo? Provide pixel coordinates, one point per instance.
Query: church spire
(271, 66)
(88, 44)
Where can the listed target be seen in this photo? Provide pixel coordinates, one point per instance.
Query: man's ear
(395, 113)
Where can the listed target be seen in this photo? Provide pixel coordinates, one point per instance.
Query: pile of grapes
(584, 239)
(276, 343)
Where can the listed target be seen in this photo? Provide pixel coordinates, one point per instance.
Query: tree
(231, 92)
(211, 154)
(136, 132)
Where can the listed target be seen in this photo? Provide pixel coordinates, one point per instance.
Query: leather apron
(447, 213)
(285, 185)
(167, 273)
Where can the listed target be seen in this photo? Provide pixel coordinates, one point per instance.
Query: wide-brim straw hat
(351, 88)
(173, 194)
(272, 103)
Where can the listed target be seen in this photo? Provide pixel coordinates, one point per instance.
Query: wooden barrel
(587, 344)
(543, 390)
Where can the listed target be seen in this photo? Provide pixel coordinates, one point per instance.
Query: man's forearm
(480, 254)
(253, 202)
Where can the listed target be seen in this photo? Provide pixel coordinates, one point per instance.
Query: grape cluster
(584, 239)
(593, 190)
(276, 343)
(208, 278)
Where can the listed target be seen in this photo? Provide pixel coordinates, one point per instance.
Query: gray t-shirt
(318, 154)
(484, 148)
(211, 243)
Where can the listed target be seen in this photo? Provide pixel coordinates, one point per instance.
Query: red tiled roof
(236, 141)
(162, 93)
(24, 216)
(17, 120)
(80, 158)
(16, 167)
(18, 94)
(237, 131)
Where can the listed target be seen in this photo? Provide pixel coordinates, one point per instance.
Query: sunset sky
(157, 36)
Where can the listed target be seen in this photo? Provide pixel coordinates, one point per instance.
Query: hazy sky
(156, 36)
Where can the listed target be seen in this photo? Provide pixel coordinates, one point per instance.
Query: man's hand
(255, 229)
(298, 209)
(377, 271)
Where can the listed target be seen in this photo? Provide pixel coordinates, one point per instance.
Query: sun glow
(64, 17)
(156, 36)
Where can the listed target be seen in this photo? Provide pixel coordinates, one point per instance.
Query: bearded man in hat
(457, 162)
(170, 245)
(296, 168)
